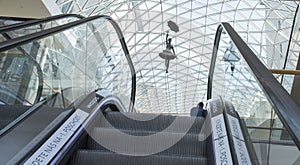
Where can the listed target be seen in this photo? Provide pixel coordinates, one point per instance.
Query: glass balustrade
(74, 62)
(7, 32)
(234, 81)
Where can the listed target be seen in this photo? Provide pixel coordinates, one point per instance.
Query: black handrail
(5, 45)
(9, 18)
(213, 61)
(285, 107)
(21, 25)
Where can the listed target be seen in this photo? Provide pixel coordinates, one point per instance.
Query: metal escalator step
(144, 142)
(151, 122)
(91, 157)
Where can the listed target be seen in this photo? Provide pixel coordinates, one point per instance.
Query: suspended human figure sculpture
(169, 53)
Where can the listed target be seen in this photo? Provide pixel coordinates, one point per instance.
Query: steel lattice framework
(264, 24)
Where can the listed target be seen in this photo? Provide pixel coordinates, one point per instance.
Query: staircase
(170, 142)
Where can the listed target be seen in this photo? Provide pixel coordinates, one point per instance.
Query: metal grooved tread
(185, 146)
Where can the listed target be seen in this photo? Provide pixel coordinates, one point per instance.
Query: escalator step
(152, 122)
(167, 142)
(90, 157)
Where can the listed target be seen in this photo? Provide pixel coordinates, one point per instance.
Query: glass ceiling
(264, 24)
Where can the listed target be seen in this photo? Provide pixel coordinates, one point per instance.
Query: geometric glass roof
(265, 25)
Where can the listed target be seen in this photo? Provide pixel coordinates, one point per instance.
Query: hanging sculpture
(169, 53)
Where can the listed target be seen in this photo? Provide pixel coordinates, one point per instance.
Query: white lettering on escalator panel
(238, 141)
(220, 141)
(50, 148)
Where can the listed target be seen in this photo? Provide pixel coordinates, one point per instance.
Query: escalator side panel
(22, 134)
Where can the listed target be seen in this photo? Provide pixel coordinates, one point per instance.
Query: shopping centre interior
(89, 81)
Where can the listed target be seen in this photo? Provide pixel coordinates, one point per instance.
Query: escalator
(113, 137)
(86, 112)
(166, 139)
(117, 139)
(69, 74)
(269, 114)
(70, 105)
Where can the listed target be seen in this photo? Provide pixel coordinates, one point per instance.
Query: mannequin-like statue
(169, 53)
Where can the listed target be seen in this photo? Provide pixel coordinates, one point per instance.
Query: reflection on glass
(18, 84)
(239, 86)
